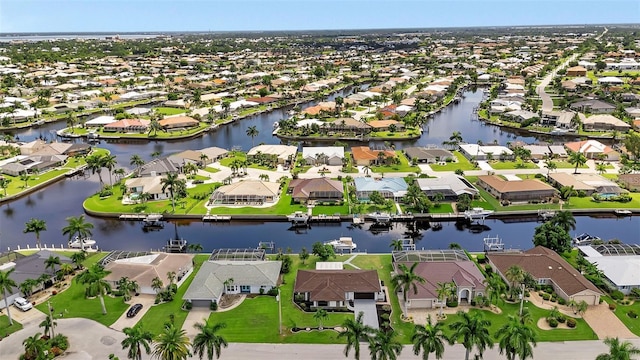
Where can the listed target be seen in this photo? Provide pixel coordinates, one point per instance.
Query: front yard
(463, 164)
(402, 166)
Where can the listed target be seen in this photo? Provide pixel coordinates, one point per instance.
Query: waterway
(65, 198)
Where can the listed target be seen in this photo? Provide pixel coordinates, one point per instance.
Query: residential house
(216, 278)
(151, 185)
(436, 267)
(522, 190)
(587, 183)
(280, 154)
(128, 126)
(604, 123)
(480, 152)
(350, 124)
(593, 149)
(178, 122)
(144, 267)
(365, 156)
(593, 106)
(538, 152)
(428, 155)
(248, 192)
(386, 125)
(214, 154)
(323, 155)
(318, 189)
(32, 164)
(548, 268)
(576, 71)
(619, 263)
(391, 188)
(335, 289)
(159, 167)
(450, 186)
(561, 119)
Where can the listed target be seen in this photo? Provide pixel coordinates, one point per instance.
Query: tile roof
(365, 153)
(463, 273)
(332, 285)
(504, 186)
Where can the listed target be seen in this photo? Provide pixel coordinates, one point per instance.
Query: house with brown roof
(383, 125)
(365, 156)
(630, 181)
(593, 149)
(128, 125)
(335, 289)
(319, 189)
(350, 124)
(576, 71)
(548, 268)
(454, 267)
(522, 190)
(176, 122)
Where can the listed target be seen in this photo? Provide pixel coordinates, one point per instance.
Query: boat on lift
(298, 217)
(585, 239)
(379, 217)
(477, 213)
(343, 243)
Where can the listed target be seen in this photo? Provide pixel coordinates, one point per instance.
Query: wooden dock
(216, 218)
(402, 218)
(325, 218)
(134, 217)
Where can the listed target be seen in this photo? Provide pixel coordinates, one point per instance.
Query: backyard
(462, 164)
(402, 166)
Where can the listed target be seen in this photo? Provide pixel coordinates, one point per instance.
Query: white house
(329, 155)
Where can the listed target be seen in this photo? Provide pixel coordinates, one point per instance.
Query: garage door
(201, 303)
(421, 304)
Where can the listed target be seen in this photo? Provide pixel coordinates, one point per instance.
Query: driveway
(147, 302)
(26, 317)
(369, 312)
(605, 323)
(196, 315)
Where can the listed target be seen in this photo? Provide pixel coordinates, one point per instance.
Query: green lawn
(568, 165)
(402, 166)
(72, 303)
(237, 155)
(157, 315)
(621, 312)
(581, 332)
(508, 165)
(211, 169)
(588, 203)
(5, 329)
(169, 111)
(443, 208)
(462, 164)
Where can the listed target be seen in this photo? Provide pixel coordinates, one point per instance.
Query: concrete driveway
(123, 322)
(196, 315)
(26, 317)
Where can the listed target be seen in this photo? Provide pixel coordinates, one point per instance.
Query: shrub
(54, 292)
(571, 322)
(272, 292)
(384, 316)
(612, 306)
(481, 259)
(562, 301)
(546, 296)
(617, 295)
(188, 305)
(214, 306)
(561, 318)
(452, 303)
(553, 323)
(632, 314)
(261, 291)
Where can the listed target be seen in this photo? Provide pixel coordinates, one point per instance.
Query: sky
(266, 15)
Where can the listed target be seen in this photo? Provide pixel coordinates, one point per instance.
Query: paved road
(90, 340)
(547, 103)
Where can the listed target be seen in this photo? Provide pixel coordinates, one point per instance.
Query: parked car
(134, 310)
(22, 304)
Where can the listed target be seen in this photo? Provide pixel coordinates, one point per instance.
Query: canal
(55, 203)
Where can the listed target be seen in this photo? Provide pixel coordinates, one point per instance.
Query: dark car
(134, 310)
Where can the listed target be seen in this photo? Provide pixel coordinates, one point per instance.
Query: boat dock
(133, 217)
(326, 218)
(216, 218)
(493, 244)
(402, 218)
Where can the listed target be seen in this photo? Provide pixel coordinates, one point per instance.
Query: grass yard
(568, 165)
(402, 166)
(510, 165)
(462, 164)
(211, 169)
(581, 332)
(169, 111)
(237, 155)
(72, 303)
(157, 315)
(588, 203)
(621, 312)
(443, 208)
(5, 328)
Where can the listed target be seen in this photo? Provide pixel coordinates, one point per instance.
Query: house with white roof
(481, 152)
(390, 188)
(450, 186)
(620, 264)
(282, 154)
(328, 155)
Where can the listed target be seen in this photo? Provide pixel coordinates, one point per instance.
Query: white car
(22, 304)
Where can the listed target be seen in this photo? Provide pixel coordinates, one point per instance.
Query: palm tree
(48, 324)
(78, 257)
(320, 315)
(564, 220)
(93, 278)
(355, 331)
(127, 287)
(195, 248)
(26, 287)
(515, 275)
(618, 350)
(66, 269)
(455, 138)
(471, 330)
(515, 339)
(4, 184)
(406, 280)
(172, 344)
(384, 346)
(444, 290)
(208, 340)
(35, 226)
(428, 338)
(203, 158)
(601, 168)
(119, 173)
(156, 284)
(136, 161)
(137, 339)
(396, 245)
(95, 163)
(51, 262)
(551, 165)
(171, 182)
(154, 125)
(190, 169)
(34, 347)
(578, 159)
(252, 132)
(7, 284)
(24, 176)
(495, 287)
(171, 276)
(76, 225)
(109, 162)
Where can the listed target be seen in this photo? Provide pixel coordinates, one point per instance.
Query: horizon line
(109, 32)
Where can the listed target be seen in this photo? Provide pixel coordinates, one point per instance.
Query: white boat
(343, 243)
(584, 239)
(298, 217)
(379, 217)
(477, 213)
(623, 212)
(81, 243)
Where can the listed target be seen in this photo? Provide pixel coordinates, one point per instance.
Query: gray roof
(32, 266)
(427, 153)
(208, 283)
